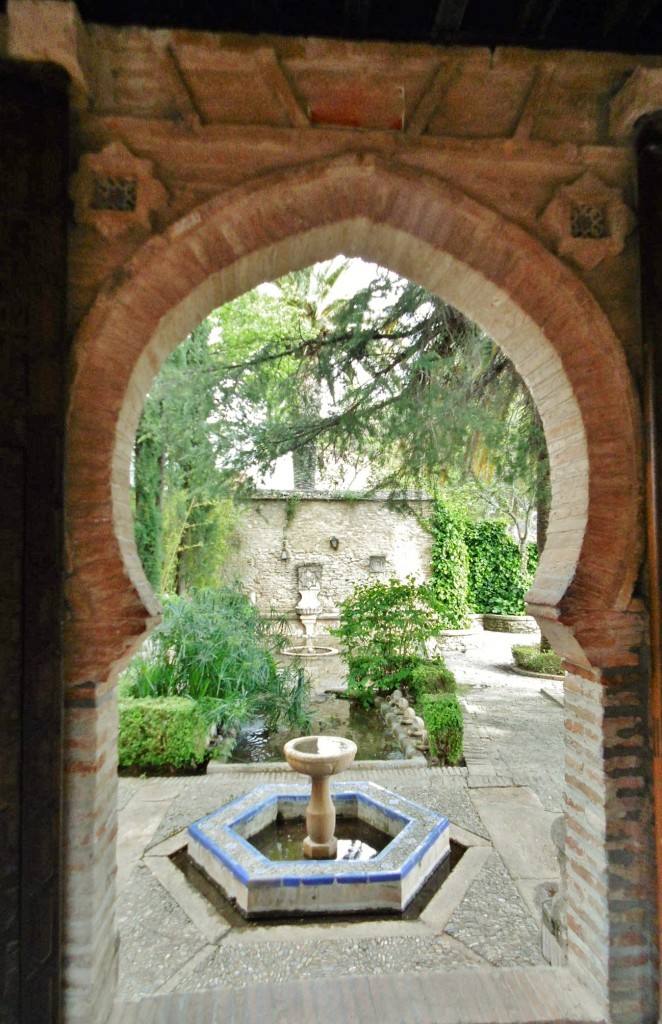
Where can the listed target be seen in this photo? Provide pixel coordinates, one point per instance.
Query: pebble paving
(514, 736)
(237, 965)
(157, 937)
(492, 921)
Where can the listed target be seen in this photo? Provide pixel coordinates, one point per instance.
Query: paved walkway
(181, 957)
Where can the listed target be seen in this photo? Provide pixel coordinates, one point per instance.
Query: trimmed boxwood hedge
(442, 715)
(431, 677)
(532, 659)
(161, 732)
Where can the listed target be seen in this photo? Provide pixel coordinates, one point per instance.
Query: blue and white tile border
(219, 844)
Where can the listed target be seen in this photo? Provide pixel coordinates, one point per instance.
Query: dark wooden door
(650, 225)
(33, 175)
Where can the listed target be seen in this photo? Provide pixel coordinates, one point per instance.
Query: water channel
(329, 715)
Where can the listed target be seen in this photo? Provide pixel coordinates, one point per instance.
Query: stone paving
(486, 914)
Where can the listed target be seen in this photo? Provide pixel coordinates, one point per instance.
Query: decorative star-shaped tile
(588, 221)
(114, 191)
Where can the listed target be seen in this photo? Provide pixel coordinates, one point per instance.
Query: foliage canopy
(380, 375)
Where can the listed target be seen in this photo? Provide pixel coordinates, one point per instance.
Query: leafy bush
(214, 646)
(532, 659)
(532, 559)
(496, 583)
(442, 715)
(161, 732)
(383, 628)
(449, 562)
(431, 677)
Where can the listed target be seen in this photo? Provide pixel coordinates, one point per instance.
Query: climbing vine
(449, 563)
(496, 582)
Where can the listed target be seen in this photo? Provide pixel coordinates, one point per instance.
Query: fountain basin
(319, 756)
(220, 845)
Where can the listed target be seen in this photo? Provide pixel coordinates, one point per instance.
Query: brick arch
(531, 304)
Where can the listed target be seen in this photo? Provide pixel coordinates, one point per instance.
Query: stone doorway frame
(546, 320)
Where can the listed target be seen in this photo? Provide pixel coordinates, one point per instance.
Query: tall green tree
(178, 488)
(406, 384)
(383, 375)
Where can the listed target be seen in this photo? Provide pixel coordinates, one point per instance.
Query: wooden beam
(357, 16)
(193, 113)
(535, 17)
(431, 97)
(534, 101)
(620, 17)
(449, 17)
(274, 76)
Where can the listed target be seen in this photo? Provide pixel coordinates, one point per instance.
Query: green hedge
(158, 732)
(431, 677)
(496, 583)
(532, 659)
(442, 715)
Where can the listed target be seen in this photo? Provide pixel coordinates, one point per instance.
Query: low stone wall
(510, 623)
(352, 538)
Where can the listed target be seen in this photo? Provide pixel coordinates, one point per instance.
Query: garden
(214, 668)
(341, 366)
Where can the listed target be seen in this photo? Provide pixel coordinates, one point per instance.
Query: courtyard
(485, 918)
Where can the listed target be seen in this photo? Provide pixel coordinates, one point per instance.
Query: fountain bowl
(319, 756)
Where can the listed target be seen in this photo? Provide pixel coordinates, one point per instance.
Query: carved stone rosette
(588, 221)
(114, 191)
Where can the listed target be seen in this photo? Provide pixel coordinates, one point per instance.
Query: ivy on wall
(476, 567)
(496, 583)
(449, 563)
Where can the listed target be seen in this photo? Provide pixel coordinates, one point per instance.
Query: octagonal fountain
(386, 849)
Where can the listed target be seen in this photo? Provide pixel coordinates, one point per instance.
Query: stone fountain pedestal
(309, 607)
(319, 757)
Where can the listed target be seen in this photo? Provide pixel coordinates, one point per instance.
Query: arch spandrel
(422, 228)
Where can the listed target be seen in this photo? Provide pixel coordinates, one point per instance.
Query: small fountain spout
(310, 578)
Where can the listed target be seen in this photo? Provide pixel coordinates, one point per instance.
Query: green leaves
(496, 582)
(442, 716)
(161, 733)
(476, 567)
(214, 647)
(383, 628)
(532, 659)
(449, 562)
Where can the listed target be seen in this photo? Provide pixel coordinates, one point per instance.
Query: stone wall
(375, 542)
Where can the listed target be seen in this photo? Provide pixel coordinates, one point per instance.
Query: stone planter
(509, 623)
(456, 640)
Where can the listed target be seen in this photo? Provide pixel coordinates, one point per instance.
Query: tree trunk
(304, 464)
(544, 505)
(148, 469)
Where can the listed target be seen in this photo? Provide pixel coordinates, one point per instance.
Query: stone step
(468, 996)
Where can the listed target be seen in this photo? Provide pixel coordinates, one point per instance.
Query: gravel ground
(493, 922)
(238, 964)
